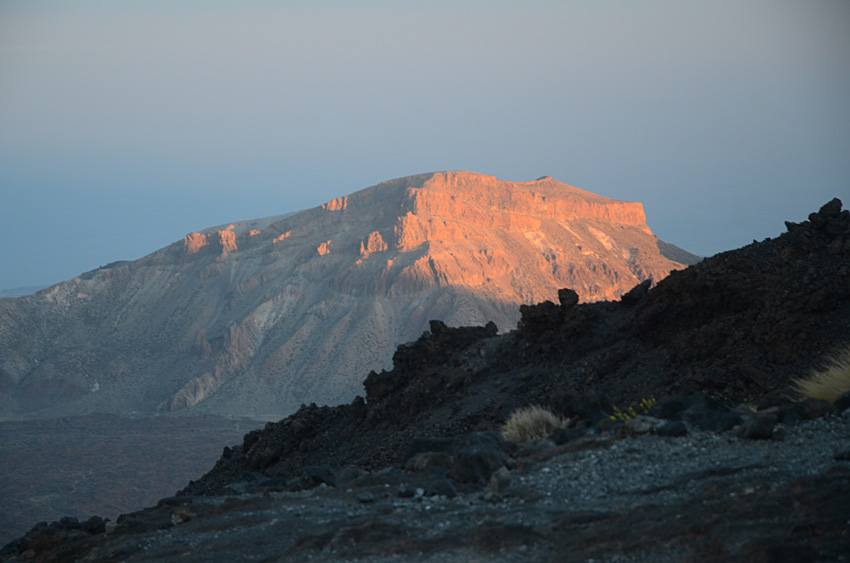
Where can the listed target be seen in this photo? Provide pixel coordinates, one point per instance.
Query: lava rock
(563, 435)
(810, 409)
(475, 464)
(708, 419)
(366, 497)
(672, 428)
(640, 425)
(441, 487)
(757, 427)
(669, 408)
(843, 455)
(637, 293)
(842, 403)
(426, 461)
(580, 406)
(315, 475)
(567, 297)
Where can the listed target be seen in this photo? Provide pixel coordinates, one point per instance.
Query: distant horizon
(125, 126)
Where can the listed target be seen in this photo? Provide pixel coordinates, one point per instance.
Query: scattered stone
(94, 525)
(672, 428)
(180, 515)
(669, 408)
(707, 419)
(563, 435)
(842, 455)
(640, 425)
(501, 480)
(491, 497)
(350, 473)
(757, 427)
(535, 448)
(69, 523)
(441, 487)
(475, 464)
(428, 460)
(365, 497)
(842, 403)
(315, 475)
(780, 398)
(406, 491)
(809, 409)
(580, 406)
(706, 413)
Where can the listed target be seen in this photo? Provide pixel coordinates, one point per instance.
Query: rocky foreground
(705, 496)
(725, 466)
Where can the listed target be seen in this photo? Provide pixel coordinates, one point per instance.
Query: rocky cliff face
(257, 317)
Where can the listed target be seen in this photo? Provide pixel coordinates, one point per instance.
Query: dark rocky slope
(740, 325)
(413, 470)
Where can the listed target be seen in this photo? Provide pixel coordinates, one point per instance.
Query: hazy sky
(126, 125)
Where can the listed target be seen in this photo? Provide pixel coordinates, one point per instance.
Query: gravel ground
(639, 499)
(658, 470)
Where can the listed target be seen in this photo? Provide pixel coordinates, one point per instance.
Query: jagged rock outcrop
(257, 317)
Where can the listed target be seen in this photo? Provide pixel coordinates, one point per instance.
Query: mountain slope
(258, 317)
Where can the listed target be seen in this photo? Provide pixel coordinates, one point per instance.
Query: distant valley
(102, 464)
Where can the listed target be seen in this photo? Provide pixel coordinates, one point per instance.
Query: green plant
(828, 383)
(643, 408)
(530, 423)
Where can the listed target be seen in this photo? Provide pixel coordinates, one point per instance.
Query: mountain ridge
(256, 317)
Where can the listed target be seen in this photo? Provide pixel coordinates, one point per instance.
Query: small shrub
(632, 412)
(828, 383)
(531, 423)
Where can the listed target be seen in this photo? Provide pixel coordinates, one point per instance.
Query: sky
(126, 125)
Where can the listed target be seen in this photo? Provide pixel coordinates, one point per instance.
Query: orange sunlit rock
(374, 243)
(193, 242)
(338, 204)
(228, 241)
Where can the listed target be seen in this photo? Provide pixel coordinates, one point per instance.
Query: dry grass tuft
(531, 423)
(830, 382)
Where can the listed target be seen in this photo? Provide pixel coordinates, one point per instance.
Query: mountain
(728, 465)
(258, 317)
(20, 291)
